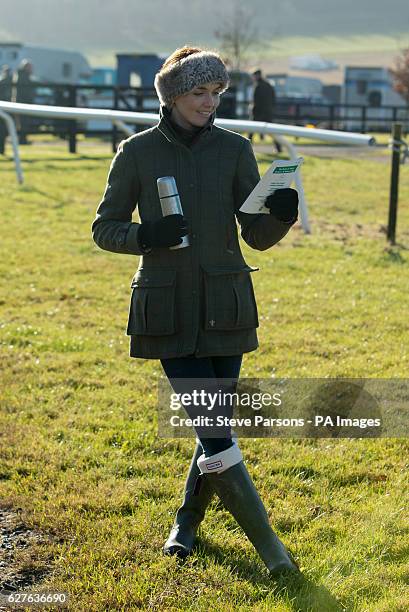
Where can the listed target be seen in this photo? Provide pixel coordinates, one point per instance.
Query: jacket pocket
(229, 298)
(152, 309)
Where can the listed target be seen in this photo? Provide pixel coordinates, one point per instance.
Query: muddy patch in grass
(20, 565)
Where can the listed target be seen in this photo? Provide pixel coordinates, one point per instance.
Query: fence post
(363, 120)
(72, 141)
(114, 128)
(394, 189)
(331, 116)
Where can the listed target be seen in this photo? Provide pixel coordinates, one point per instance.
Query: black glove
(283, 204)
(166, 232)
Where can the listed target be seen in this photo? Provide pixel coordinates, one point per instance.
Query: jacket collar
(165, 126)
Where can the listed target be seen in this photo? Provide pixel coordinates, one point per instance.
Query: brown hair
(180, 54)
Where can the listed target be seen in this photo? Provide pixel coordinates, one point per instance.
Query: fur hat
(190, 72)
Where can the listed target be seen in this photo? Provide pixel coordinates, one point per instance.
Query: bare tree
(400, 74)
(237, 34)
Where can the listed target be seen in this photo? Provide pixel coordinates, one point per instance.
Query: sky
(155, 25)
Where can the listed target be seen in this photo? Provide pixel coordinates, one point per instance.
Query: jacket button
(193, 235)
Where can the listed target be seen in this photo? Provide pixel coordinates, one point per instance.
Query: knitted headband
(190, 72)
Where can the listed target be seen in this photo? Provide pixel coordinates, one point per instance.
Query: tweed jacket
(200, 299)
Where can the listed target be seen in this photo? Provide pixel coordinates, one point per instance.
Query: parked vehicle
(302, 110)
(371, 87)
(299, 100)
(294, 86)
(103, 76)
(50, 64)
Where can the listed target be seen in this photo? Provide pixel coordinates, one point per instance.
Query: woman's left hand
(283, 204)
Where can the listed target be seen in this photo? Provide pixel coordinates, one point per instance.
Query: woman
(194, 308)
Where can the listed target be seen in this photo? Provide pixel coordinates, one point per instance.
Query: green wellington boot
(191, 512)
(238, 494)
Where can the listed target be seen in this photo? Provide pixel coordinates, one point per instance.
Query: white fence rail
(122, 118)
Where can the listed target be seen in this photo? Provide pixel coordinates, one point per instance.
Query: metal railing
(347, 117)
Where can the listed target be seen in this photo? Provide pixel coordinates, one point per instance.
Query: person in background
(6, 81)
(24, 93)
(194, 308)
(264, 101)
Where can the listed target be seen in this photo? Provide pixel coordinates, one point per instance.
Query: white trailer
(372, 88)
(49, 64)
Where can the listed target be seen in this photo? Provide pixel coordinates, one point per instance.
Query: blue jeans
(210, 368)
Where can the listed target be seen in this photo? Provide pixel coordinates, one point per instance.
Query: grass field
(80, 457)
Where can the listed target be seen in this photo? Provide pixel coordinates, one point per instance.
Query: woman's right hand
(166, 232)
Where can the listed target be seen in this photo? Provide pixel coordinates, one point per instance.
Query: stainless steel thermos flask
(170, 203)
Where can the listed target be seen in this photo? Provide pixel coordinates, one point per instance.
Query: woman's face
(194, 108)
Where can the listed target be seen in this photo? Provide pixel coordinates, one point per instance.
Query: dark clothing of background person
(264, 101)
(25, 94)
(6, 81)
(24, 87)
